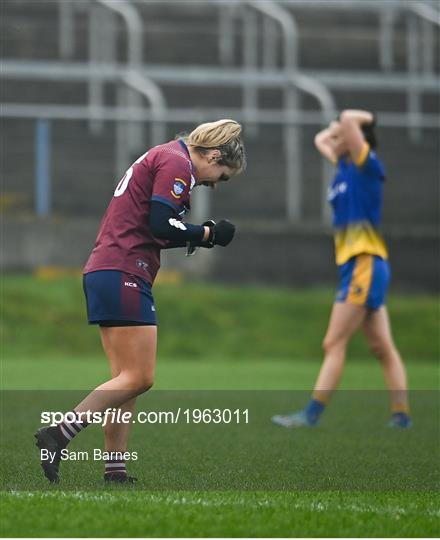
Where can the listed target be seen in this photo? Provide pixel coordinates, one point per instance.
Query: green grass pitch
(393, 499)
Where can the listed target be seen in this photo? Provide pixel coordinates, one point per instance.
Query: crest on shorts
(357, 289)
(178, 188)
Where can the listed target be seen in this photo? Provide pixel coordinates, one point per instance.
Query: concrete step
(188, 33)
(29, 29)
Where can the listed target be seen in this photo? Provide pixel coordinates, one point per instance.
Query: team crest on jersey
(178, 188)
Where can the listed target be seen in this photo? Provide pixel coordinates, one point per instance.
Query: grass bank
(47, 318)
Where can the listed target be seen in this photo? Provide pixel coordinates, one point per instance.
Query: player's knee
(326, 345)
(145, 382)
(330, 344)
(139, 382)
(380, 349)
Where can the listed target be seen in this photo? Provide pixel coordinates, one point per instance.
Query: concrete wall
(272, 254)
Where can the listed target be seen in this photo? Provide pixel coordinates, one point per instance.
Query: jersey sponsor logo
(130, 284)
(177, 224)
(178, 188)
(141, 264)
(333, 192)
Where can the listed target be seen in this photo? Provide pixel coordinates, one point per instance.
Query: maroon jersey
(124, 242)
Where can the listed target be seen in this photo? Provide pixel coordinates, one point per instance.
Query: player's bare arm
(324, 145)
(351, 121)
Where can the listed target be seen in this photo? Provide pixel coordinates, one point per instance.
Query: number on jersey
(123, 183)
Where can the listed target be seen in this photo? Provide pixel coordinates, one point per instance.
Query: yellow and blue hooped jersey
(356, 197)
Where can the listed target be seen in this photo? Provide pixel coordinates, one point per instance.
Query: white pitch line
(184, 500)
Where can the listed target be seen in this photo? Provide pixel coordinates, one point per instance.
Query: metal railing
(276, 117)
(291, 101)
(191, 76)
(102, 51)
(46, 114)
(390, 10)
(134, 81)
(420, 46)
(148, 88)
(275, 15)
(102, 43)
(430, 17)
(271, 11)
(137, 80)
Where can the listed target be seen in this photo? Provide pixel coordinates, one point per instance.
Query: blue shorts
(364, 281)
(115, 298)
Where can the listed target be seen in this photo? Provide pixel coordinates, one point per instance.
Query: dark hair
(369, 131)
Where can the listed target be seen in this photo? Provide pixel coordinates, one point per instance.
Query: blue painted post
(42, 168)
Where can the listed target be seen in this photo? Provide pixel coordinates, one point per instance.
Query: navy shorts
(364, 281)
(115, 298)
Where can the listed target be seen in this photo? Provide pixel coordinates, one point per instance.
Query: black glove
(222, 233)
(192, 246)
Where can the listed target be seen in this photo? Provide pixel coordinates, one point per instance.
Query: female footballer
(361, 256)
(145, 215)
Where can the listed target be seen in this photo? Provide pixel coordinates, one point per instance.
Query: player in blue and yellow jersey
(362, 259)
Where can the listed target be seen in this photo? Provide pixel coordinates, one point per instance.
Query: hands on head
(344, 136)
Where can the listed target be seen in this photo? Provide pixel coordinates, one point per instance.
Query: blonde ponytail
(214, 134)
(224, 135)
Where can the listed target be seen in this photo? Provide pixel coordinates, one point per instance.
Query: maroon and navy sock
(115, 467)
(68, 430)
